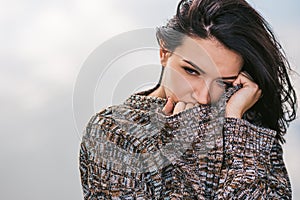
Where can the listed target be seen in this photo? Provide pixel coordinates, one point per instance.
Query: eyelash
(223, 83)
(188, 70)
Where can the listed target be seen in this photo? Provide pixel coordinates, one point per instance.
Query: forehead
(210, 55)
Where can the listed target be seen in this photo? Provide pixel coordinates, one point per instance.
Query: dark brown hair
(242, 29)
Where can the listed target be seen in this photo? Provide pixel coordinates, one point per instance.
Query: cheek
(215, 93)
(176, 82)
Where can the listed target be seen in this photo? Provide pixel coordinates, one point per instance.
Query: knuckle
(255, 87)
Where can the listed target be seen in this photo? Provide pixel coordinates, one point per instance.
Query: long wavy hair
(242, 29)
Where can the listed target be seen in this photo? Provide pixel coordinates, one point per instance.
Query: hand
(171, 108)
(244, 98)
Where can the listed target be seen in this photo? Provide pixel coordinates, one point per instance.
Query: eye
(191, 71)
(224, 83)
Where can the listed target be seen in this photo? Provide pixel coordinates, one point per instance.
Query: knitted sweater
(134, 151)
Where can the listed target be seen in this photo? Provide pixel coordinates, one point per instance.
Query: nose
(202, 94)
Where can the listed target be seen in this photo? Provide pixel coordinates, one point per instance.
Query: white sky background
(43, 47)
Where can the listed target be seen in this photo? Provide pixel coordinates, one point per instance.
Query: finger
(189, 105)
(237, 81)
(243, 80)
(168, 108)
(259, 94)
(247, 75)
(180, 106)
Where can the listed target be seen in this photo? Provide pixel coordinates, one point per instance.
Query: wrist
(237, 115)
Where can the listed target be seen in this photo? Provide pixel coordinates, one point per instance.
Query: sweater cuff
(242, 138)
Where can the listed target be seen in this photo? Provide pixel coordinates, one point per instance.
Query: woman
(212, 127)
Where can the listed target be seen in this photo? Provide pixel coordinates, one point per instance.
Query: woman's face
(199, 70)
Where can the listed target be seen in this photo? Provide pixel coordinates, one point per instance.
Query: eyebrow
(195, 66)
(199, 69)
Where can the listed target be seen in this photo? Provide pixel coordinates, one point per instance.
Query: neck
(159, 92)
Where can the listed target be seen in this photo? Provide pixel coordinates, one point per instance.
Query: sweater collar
(141, 100)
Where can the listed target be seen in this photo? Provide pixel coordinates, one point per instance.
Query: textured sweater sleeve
(253, 166)
(227, 158)
(279, 186)
(107, 168)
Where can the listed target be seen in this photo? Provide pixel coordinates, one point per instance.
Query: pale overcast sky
(44, 46)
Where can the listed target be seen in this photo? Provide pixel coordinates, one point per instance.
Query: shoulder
(121, 115)
(120, 125)
(101, 121)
